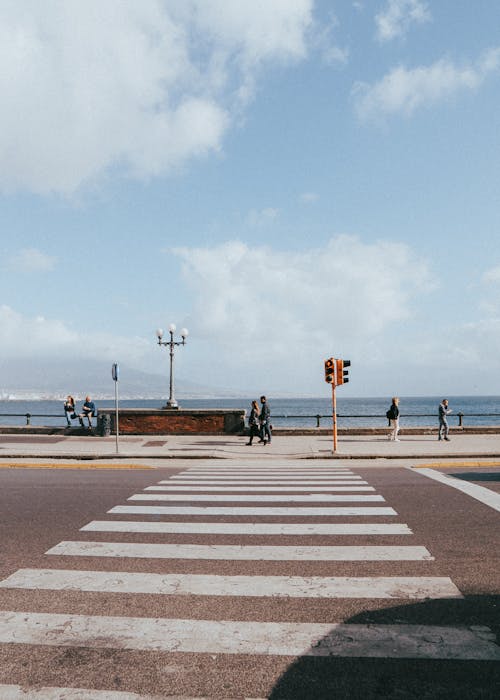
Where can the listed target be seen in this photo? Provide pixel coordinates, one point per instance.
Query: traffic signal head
(330, 370)
(342, 371)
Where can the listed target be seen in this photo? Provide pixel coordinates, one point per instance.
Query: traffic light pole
(334, 415)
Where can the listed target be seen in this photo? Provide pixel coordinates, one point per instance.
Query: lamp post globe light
(172, 403)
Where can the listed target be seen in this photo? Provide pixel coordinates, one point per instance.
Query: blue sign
(115, 372)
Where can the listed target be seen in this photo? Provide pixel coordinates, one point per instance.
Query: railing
(317, 416)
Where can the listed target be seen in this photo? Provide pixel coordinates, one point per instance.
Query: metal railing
(317, 416)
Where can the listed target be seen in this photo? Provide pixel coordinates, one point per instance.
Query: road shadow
(337, 677)
(474, 476)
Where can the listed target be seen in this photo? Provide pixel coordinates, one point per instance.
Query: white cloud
(262, 217)
(268, 309)
(403, 90)
(397, 17)
(143, 86)
(309, 197)
(31, 260)
(52, 339)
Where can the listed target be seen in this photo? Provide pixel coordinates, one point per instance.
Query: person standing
(264, 417)
(444, 428)
(253, 422)
(393, 416)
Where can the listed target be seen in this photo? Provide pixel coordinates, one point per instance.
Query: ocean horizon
(290, 412)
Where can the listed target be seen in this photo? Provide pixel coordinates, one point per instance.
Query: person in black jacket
(253, 422)
(265, 426)
(393, 416)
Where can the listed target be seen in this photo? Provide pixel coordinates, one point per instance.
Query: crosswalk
(279, 516)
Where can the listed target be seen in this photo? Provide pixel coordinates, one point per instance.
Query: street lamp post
(172, 403)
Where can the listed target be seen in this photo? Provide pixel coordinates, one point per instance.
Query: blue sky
(289, 179)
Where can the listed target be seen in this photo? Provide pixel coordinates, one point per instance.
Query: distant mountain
(56, 379)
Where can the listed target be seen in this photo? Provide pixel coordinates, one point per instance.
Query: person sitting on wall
(69, 409)
(88, 410)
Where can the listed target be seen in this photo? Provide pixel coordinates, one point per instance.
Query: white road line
(266, 472)
(17, 692)
(276, 482)
(260, 489)
(260, 498)
(240, 552)
(255, 510)
(485, 496)
(241, 586)
(238, 637)
(268, 467)
(267, 478)
(249, 528)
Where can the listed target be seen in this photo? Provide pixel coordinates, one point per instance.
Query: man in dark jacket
(265, 426)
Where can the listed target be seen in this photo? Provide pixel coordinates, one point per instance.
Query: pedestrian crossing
(278, 535)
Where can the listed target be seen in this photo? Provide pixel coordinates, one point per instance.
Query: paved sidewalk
(157, 447)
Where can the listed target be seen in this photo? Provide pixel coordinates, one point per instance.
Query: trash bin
(104, 425)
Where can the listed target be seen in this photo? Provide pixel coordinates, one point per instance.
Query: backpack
(389, 414)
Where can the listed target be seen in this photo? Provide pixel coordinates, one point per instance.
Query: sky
(289, 179)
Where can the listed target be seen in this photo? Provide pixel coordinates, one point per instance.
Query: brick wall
(177, 421)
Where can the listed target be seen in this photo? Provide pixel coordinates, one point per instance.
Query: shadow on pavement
(474, 476)
(337, 677)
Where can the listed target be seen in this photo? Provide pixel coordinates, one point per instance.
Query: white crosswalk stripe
(229, 637)
(283, 511)
(287, 478)
(274, 586)
(241, 552)
(217, 486)
(354, 481)
(261, 489)
(214, 528)
(214, 498)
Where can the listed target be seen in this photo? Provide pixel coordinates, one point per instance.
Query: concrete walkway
(157, 447)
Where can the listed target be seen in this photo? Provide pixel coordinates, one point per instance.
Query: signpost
(336, 374)
(115, 373)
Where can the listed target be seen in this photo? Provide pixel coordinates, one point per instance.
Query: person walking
(265, 427)
(253, 422)
(393, 416)
(444, 428)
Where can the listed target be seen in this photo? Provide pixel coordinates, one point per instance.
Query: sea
(290, 412)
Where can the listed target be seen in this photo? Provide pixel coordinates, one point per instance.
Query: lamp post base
(172, 405)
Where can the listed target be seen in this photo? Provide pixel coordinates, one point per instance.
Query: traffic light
(330, 370)
(342, 372)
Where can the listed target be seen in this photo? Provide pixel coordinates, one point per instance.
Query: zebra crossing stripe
(241, 586)
(281, 511)
(248, 528)
(265, 478)
(240, 637)
(268, 467)
(265, 472)
(276, 482)
(241, 552)
(260, 498)
(272, 489)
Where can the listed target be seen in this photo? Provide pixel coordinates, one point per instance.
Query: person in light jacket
(444, 428)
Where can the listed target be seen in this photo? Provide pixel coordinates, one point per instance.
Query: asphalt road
(418, 606)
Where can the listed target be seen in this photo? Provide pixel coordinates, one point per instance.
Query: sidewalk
(157, 447)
